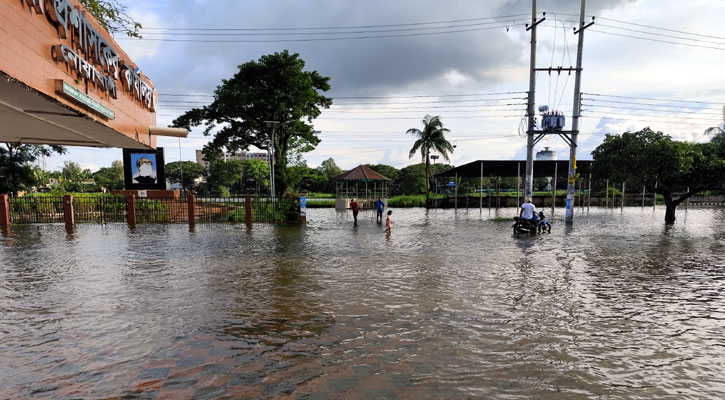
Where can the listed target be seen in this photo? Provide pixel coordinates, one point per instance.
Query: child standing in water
(389, 221)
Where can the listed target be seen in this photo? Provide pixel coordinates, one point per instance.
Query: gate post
(191, 205)
(131, 210)
(68, 211)
(4, 211)
(248, 209)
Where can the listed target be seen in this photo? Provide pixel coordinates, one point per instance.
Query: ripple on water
(449, 305)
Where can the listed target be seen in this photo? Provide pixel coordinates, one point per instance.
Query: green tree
(387, 171)
(257, 170)
(648, 157)
(225, 174)
(111, 177)
(112, 15)
(275, 88)
(432, 137)
(184, 172)
(16, 171)
(330, 171)
(72, 172)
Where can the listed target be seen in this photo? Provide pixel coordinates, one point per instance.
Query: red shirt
(353, 205)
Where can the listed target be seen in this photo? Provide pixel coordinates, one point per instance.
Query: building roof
(360, 173)
(509, 168)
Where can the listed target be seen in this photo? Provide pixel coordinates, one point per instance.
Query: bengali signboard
(90, 55)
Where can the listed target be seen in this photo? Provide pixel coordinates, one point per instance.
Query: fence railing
(115, 208)
(33, 210)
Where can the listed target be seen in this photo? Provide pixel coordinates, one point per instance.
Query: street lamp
(270, 148)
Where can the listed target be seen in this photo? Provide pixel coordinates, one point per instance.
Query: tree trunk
(671, 203)
(427, 175)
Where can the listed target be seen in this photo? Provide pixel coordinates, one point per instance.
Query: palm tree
(718, 132)
(432, 137)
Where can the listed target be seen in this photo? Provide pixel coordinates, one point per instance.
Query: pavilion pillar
(606, 196)
(623, 188)
(480, 193)
(455, 200)
(191, 208)
(589, 194)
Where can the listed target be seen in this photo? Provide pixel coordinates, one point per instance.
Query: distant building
(239, 156)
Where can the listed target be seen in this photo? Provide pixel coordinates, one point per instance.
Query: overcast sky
(395, 61)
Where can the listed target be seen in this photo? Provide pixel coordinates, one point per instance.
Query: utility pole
(575, 117)
(530, 106)
(273, 125)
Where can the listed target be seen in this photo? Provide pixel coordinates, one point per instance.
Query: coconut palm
(432, 137)
(718, 132)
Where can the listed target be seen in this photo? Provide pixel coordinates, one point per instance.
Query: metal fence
(30, 210)
(99, 209)
(161, 210)
(220, 210)
(109, 208)
(275, 210)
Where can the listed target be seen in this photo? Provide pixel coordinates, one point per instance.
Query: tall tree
(16, 171)
(648, 157)
(275, 88)
(72, 172)
(111, 177)
(432, 137)
(184, 172)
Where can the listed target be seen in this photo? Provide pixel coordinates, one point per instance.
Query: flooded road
(450, 305)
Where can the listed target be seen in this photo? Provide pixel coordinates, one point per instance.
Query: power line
(319, 39)
(648, 98)
(649, 109)
(385, 97)
(349, 27)
(648, 104)
(427, 28)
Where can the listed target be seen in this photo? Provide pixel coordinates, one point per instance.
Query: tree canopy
(275, 88)
(184, 172)
(111, 177)
(646, 158)
(16, 171)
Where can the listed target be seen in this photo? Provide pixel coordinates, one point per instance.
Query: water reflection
(450, 305)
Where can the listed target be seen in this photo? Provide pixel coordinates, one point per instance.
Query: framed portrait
(144, 169)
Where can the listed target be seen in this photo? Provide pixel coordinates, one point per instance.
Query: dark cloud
(355, 66)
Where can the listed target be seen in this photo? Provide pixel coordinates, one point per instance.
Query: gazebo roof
(360, 173)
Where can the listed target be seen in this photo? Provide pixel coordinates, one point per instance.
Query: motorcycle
(531, 226)
(522, 225)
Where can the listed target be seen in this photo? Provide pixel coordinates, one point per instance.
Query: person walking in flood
(380, 206)
(389, 221)
(355, 209)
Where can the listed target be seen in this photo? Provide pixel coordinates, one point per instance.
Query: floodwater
(450, 305)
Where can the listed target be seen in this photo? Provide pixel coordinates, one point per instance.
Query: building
(64, 80)
(238, 156)
(547, 155)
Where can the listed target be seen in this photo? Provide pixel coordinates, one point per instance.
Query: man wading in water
(355, 209)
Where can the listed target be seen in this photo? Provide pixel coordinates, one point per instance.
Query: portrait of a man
(144, 168)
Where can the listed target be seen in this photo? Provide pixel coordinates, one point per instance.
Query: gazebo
(363, 184)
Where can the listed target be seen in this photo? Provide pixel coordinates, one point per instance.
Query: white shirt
(529, 210)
